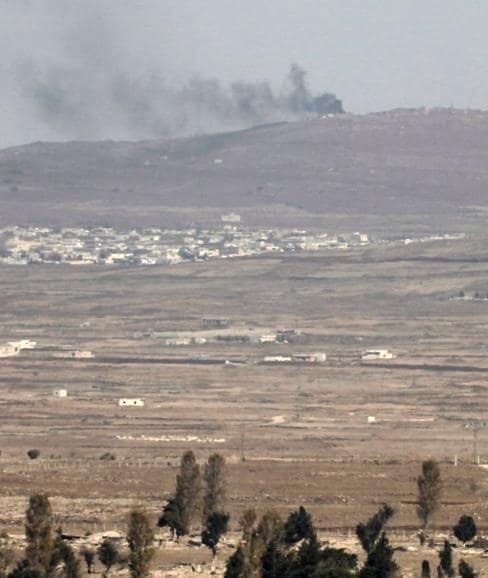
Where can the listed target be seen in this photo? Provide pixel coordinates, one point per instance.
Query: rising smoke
(81, 87)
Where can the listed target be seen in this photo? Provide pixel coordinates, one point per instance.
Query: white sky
(373, 54)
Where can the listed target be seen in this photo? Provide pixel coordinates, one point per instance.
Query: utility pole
(476, 426)
(243, 455)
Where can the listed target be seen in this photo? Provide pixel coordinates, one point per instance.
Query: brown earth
(392, 172)
(302, 427)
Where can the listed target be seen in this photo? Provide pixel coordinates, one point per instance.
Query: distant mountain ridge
(404, 162)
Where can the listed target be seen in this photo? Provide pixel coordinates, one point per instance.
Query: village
(154, 246)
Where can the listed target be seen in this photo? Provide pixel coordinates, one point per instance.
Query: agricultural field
(293, 432)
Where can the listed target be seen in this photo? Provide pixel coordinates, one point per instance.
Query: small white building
(316, 357)
(15, 347)
(371, 419)
(268, 338)
(231, 218)
(131, 402)
(277, 359)
(60, 393)
(372, 354)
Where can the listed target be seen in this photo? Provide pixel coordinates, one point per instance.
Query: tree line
(270, 547)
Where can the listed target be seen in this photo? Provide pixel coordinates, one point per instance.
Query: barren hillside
(409, 166)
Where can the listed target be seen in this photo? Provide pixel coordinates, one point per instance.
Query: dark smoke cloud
(83, 84)
(144, 107)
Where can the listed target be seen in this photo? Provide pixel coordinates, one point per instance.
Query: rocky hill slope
(420, 166)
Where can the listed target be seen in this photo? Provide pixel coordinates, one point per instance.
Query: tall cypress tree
(38, 534)
(140, 539)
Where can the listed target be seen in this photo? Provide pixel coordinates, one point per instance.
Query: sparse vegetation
(33, 454)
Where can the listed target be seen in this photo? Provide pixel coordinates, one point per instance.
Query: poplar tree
(215, 486)
(182, 508)
(38, 534)
(429, 486)
(140, 539)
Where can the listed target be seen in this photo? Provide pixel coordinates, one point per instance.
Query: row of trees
(194, 495)
(48, 555)
(269, 547)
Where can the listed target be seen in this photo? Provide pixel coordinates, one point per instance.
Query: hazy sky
(98, 68)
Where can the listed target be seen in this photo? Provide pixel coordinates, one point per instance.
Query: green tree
(379, 553)
(38, 534)
(445, 559)
(335, 560)
(380, 562)
(64, 553)
(465, 529)
(215, 527)
(107, 554)
(274, 563)
(307, 558)
(236, 565)
(466, 571)
(88, 556)
(369, 533)
(429, 485)
(425, 569)
(23, 570)
(140, 539)
(215, 486)
(183, 506)
(298, 526)
(171, 518)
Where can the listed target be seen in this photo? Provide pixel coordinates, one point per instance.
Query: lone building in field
(215, 323)
(60, 393)
(372, 354)
(316, 357)
(131, 402)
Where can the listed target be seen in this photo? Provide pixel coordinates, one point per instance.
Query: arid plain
(302, 427)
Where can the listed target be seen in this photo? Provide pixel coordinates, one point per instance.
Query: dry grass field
(303, 427)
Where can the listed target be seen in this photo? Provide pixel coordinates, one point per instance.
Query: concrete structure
(131, 402)
(372, 354)
(371, 419)
(269, 338)
(60, 393)
(13, 348)
(215, 323)
(317, 357)
(175, 341)
(277, 359)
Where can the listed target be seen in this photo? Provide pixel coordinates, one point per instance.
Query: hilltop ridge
(427, 165)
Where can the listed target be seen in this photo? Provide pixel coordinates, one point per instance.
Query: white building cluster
(151, 246)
